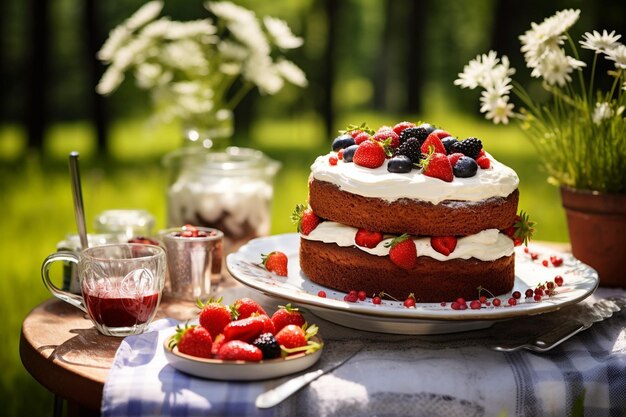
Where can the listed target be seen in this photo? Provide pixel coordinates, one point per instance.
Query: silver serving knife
(283, 391)
(597, 312)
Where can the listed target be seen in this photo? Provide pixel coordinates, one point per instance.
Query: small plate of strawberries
(242, 342)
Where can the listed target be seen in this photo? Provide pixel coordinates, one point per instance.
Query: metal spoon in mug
(79, 210)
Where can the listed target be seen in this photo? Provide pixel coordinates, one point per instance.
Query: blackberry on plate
(411, 148)
(348, 153)
(267, 343)
(413, 132)
(400, 164)
(342, 142)
(469, 147)
(465, 167)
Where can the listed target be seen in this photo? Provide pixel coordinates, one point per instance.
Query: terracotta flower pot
(597, 230)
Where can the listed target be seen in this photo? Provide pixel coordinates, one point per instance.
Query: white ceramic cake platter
(391, 316)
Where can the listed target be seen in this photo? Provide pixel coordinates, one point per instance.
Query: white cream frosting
(496, 181)
(487, 245)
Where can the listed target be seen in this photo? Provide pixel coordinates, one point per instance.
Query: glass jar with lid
(228, 190)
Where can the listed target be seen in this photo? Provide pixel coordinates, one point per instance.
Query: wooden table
(62, 350)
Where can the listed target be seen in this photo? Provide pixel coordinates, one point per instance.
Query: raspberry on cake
(440, 217)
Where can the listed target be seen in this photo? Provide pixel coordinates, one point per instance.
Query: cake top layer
(496, 181)
(413, 161)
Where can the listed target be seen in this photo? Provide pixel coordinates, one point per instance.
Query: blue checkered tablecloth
(438, 375)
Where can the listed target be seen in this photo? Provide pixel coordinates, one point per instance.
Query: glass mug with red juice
(121, 285)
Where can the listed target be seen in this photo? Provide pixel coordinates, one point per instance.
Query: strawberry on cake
(410, 210)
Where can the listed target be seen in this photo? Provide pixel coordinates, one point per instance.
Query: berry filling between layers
(487, 245)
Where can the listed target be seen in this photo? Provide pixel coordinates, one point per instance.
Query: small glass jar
(229, 190)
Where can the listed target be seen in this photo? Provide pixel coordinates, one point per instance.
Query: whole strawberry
(403, 252)
(437, 165)
(291, 336)
(245, 329)
(306, 220)
(214, 316)
(192, 340)
(443, 244)
(245, 307)
(369, 154)
(286, 315)
(367, 239)
(237, 350)
(275, 262)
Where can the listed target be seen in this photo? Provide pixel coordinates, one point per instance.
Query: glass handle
(68, 297)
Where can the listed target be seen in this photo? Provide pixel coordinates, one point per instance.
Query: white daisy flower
(185, 55)
(133, 53)
(260, 71)
(500, 112)
(556, 67)
(145, 14)
(230, 11)
(493, 93)
(232, 51)
(195, 28)
(601, 112)
(291, 72)
(544, 38)
(281, 33)
(117, 38)
(618, 54)
(476, 70)
(600, 42)
(110, 80)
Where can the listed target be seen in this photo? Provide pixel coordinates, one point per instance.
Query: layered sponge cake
(410, 211)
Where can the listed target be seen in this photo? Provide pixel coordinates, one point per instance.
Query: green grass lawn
(38, 211)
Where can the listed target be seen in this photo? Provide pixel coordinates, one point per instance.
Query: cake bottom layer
(348, 268)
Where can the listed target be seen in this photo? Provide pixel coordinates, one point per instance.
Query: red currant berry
(409, 302)
(534, 256)
(340, 154)
(512, 301)
(460, 300)
(463, 306)
(496, 302)
(516, 295)
(376, 300)
(538, 291)
(544, 262)
(549, 292)
(442, 304)
(332, 160)
(529, 293)
(488, 303)
(558, 280)
(475, 305)
(350, 298)
(550, 285)
(321, 294)
(556, 260)
(361, 295)
(526, 250)
(537, 297)
(353, 292)
(455, 306)
(482, 299)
